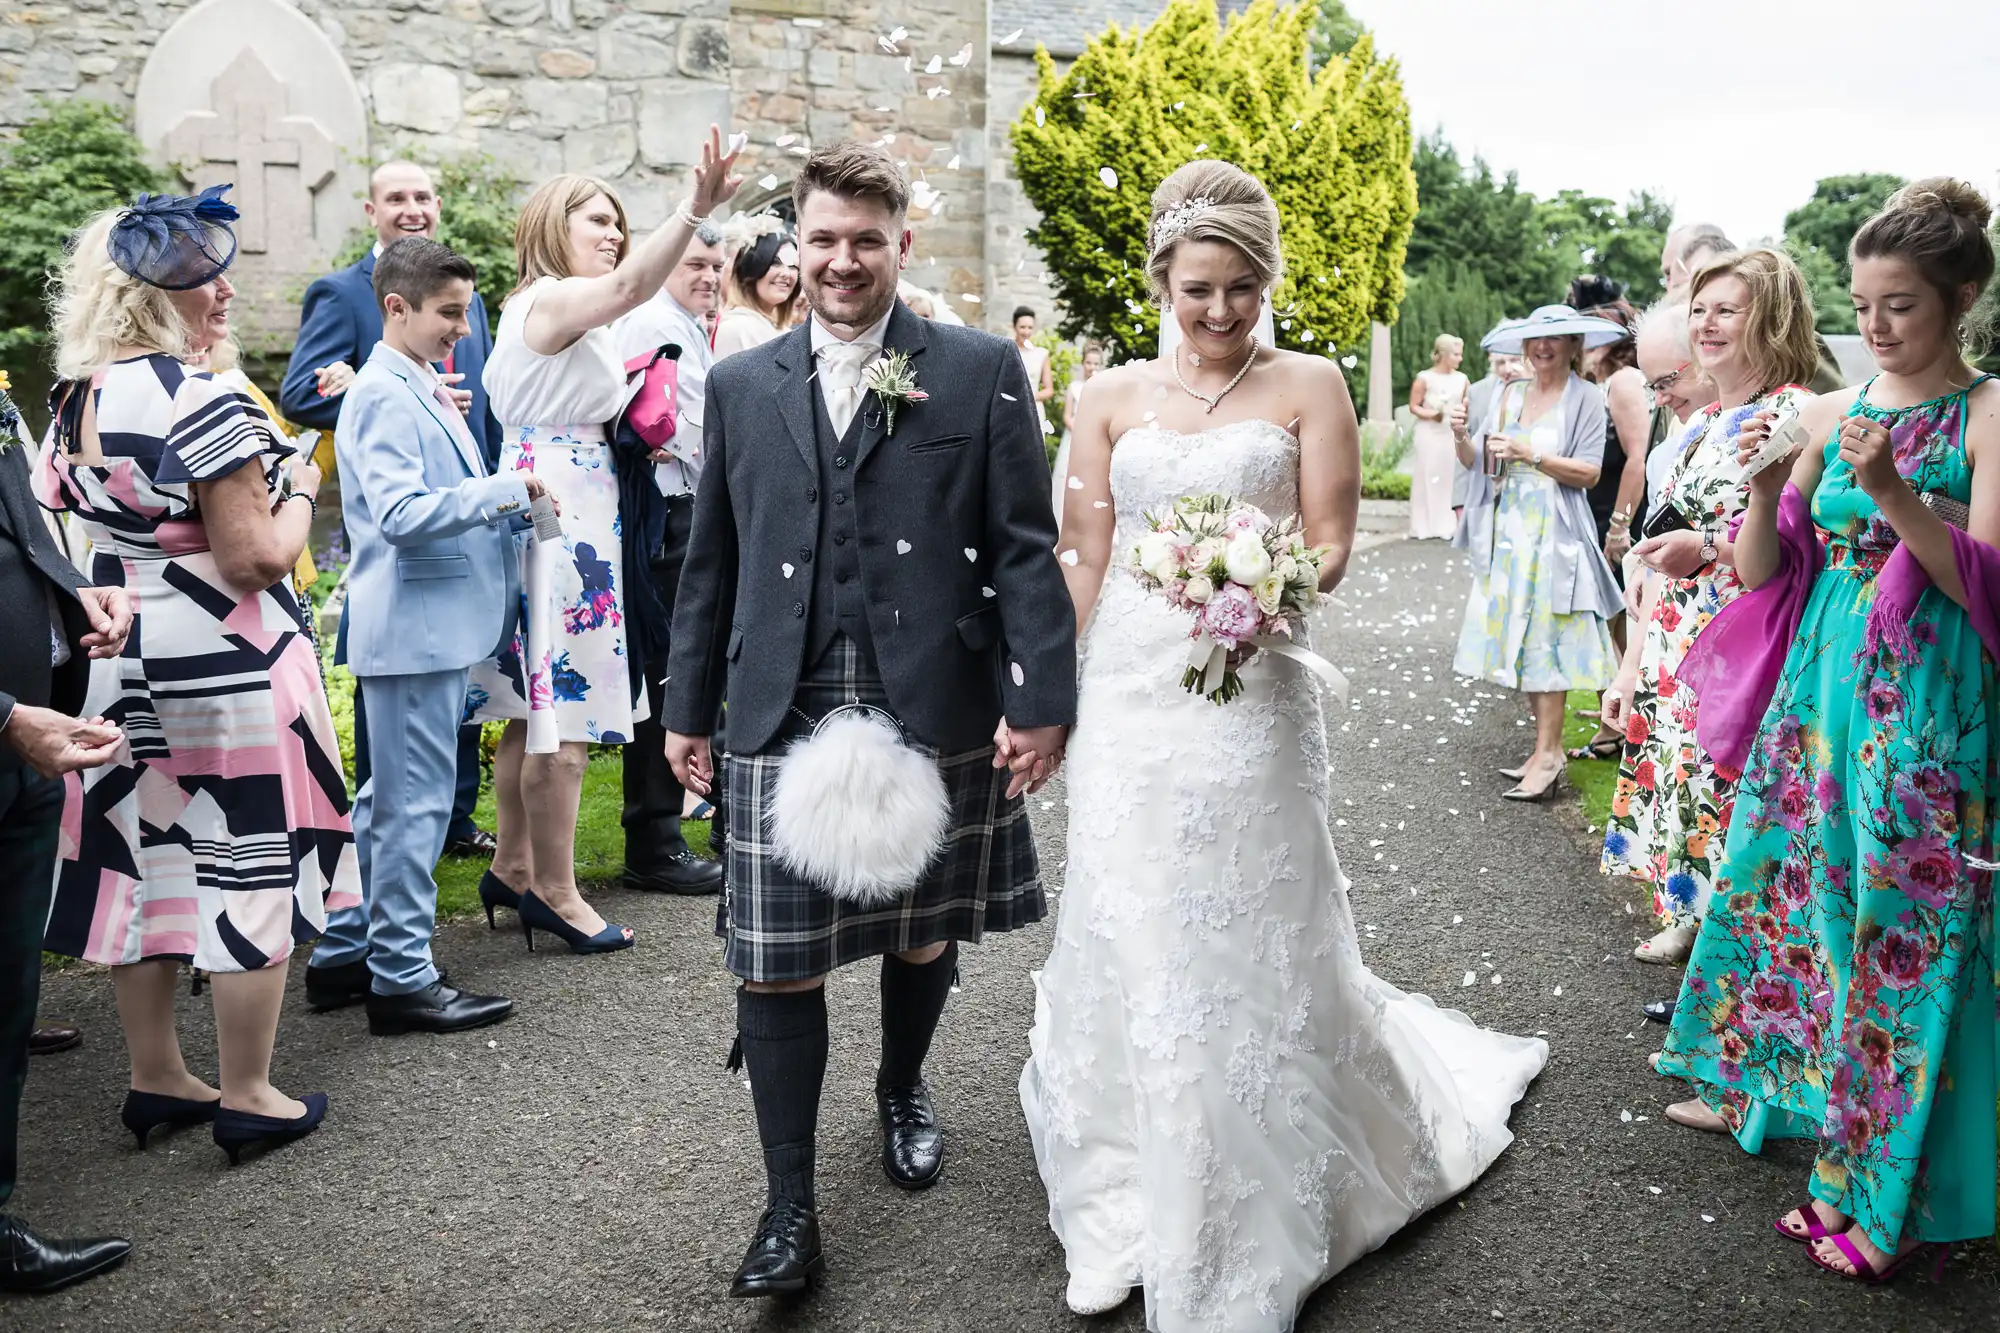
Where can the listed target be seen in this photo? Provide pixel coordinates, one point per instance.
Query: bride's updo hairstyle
(1214, 201)
(1938, 226)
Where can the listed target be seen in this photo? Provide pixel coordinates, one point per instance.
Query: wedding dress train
(1227, 1107)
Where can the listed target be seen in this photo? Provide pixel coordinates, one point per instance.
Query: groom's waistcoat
(836, 558)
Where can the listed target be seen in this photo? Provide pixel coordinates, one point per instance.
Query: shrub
(1333, 148)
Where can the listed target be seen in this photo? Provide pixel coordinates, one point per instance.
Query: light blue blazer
(435, 574)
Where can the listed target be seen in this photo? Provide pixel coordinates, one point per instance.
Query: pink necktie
(456, 422)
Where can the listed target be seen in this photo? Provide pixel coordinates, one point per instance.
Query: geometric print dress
(1841, 988)
(219, 835)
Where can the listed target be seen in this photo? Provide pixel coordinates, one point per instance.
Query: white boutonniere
(893, 383)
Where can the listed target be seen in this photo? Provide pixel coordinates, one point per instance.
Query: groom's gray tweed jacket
(965, 602)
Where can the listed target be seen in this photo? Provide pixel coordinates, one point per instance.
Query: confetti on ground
(1625, 1117)
(1469, 980)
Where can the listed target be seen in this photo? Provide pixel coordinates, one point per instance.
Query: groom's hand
(692, 764)
(1033, 754)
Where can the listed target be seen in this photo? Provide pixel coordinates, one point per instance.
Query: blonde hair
(1214, 201)
(99, 308)
(1778, 336)
(1445, 342)
(541, 237)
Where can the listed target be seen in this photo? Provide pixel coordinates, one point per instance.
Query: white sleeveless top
(582, 385)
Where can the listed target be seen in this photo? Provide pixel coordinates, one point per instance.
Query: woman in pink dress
(219, 835)
(1433, 394)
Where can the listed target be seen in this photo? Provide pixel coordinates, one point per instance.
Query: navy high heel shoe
(493, 892)
(145, 1112)
(538, 915)
(236, 1130)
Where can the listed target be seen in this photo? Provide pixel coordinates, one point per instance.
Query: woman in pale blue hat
(1542, 593)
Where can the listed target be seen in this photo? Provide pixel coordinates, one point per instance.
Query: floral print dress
(1842, 986)
(1671, 804)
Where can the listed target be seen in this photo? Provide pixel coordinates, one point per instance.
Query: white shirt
(871, 337)
(660, 321)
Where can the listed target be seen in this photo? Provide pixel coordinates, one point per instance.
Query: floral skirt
(566, 672)
(1513, 636)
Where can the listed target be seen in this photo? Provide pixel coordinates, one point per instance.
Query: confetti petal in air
(1020, 676)
(1350, 360)
(1069, 558)
(738, 142)
(785, 140)
(1009, 397)
(964, 56)
(768, 183)
(1109, 177)
(970, 554)
(988, 592)
(1012, 37)
(939, 91)
(1039, 118)
(902, 547)
(1076, 483)
(953, 164)
(789, 571)
(935, 65)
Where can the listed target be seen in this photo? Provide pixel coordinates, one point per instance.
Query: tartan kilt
(778, 926)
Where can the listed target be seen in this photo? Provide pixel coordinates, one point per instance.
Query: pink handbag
(651, 412)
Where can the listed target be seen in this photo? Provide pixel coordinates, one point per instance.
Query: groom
(833, 560)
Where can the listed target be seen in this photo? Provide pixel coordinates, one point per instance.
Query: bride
(1227, 1107)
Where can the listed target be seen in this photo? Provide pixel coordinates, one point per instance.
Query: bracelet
(684, 212)
(311, 503)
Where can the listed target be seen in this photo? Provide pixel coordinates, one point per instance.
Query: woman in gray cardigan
(1542, 593)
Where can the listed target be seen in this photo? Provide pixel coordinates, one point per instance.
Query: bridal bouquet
(1245, 579)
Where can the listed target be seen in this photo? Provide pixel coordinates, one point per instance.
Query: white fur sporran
(858, 811)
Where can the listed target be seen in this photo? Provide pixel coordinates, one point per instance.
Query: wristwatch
(1708, 551)
(1535, 456)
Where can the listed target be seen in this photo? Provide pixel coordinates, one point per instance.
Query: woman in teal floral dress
(1842, 985)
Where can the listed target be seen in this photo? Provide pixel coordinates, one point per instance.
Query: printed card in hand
(1787, 437)
(548, 527)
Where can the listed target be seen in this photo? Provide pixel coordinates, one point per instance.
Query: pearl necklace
(1248, 361)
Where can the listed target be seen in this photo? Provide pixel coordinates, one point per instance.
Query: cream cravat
(840, 368)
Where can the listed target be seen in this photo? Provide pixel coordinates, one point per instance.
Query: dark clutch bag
(1668, 519)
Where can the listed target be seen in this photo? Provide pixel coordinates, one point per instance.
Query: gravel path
(589, 1163)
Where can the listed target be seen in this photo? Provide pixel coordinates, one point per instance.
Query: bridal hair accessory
(1178, 219)
(1246, 580)
(175, 242)
(746, 229)
(856, 809)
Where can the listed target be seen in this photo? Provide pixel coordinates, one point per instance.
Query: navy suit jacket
(341, 322)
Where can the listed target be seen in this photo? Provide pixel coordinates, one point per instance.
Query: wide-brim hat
(1553, 321)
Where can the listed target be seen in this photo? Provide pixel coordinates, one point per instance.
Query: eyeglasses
(1668, 380)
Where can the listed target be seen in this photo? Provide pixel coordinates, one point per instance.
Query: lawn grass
(600, 842)
(1594, 779)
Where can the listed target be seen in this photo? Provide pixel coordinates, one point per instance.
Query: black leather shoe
(338, 986)
(784, 1257)
(52, 1037)
(1659, 1011)
(435, 1008)
(32, 1263)
(912, 1143)
(683, 873)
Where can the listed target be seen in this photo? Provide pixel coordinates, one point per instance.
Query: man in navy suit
(338, 330)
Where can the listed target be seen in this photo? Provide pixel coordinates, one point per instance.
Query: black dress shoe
(34, 1263)
(784, 1257)
(480, 843)
(683, 873)
(1659, 1011)
(912, 1143)
(52, 1037)
(435, 1008)
(337, 986)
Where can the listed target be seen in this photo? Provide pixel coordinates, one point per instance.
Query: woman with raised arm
(219, 836)
(1750, 325)
(557, 385)
(1841, 988)
(1211, 1057)
(1542, 593)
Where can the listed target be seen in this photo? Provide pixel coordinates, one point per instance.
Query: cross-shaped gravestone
(275, 161)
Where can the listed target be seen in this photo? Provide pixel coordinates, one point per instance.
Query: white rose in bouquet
(1270, 591)
(1156, 556)
(1199, 589)
(1206, 552)
(1287, 568)
(1246, 560)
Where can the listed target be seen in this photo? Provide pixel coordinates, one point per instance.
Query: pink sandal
(1864, 1272)
(1815, 1229)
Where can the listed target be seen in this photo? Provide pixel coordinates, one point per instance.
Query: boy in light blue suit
(432, 589)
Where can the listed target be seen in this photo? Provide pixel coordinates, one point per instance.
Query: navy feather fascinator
(175, 241)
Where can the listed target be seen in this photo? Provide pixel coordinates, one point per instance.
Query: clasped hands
(54, 743)
(1031, 754)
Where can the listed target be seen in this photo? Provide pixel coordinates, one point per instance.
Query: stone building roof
(1064, 26)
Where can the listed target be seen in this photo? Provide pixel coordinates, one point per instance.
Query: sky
(1731, 110)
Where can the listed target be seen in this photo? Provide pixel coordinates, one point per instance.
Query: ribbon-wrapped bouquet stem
(1246, 579)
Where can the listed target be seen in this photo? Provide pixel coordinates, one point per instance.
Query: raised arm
(572, 307)
(1329, 467)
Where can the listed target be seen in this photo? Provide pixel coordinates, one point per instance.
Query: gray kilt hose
(777, 926)
(913, 570)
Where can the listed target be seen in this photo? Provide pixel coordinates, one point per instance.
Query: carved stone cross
(276, 161)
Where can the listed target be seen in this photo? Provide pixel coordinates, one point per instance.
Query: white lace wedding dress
(1226, 1105)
